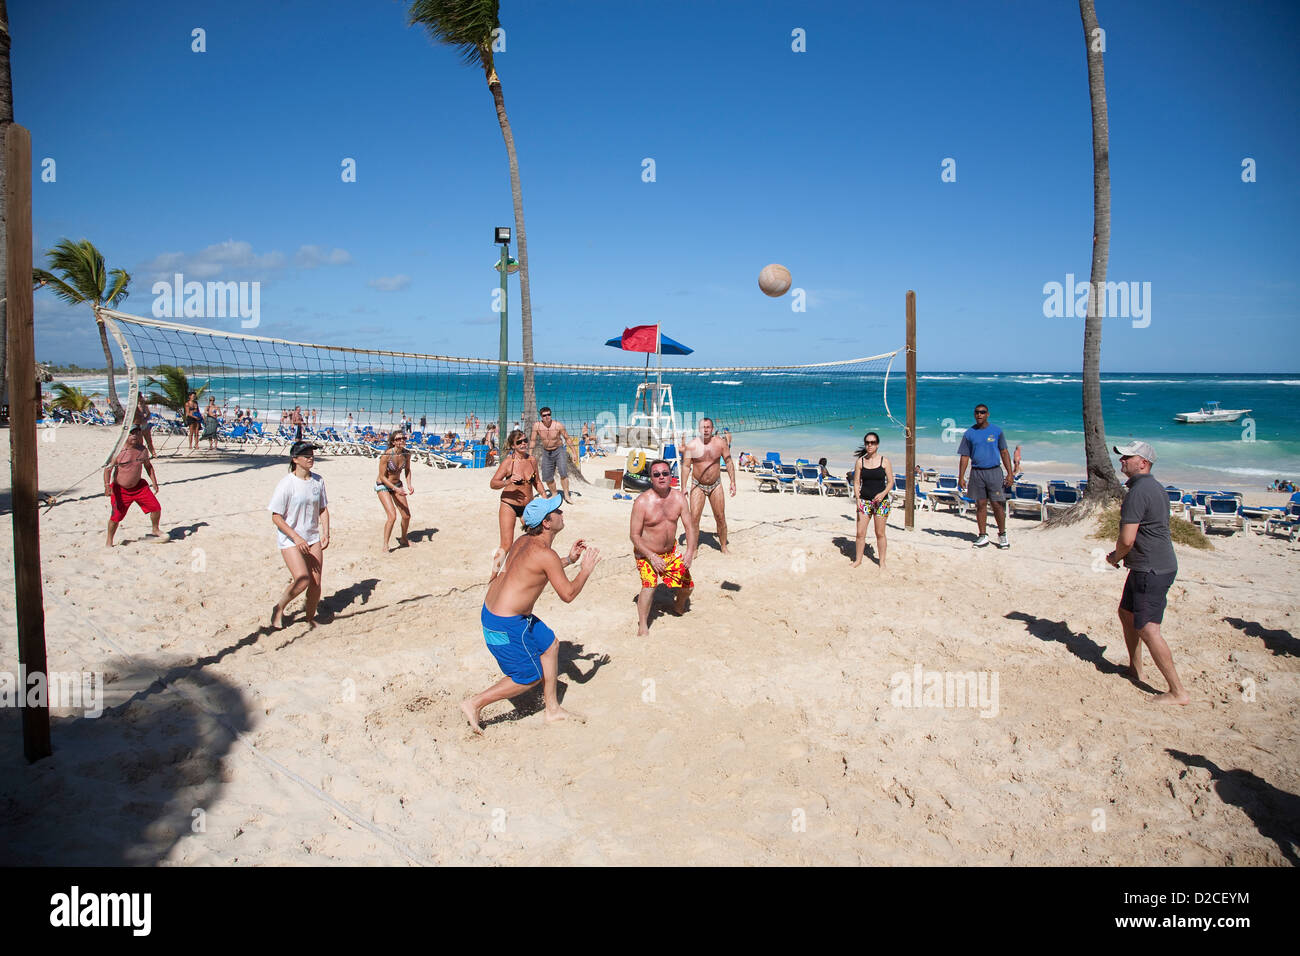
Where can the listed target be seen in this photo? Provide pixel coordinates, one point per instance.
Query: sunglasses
(871, 443)
(660, 474)
(981, 411)
(522, 441)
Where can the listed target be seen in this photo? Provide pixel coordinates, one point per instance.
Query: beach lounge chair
(1061, 497)
(1025, 497)
(836, 486)
(785, 477)
(898, 494)
(929, 474)
(946, 493)
(808, 479)
(1288, 523)
(1221, 511)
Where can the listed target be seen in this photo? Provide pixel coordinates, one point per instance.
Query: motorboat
(1211, 412)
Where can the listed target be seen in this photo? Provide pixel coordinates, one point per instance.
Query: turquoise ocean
(788, 413)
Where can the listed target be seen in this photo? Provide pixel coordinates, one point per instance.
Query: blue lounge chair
(1061, 497)
(946, 493)
(1222, 511)
(1026, 496)
(898, 493)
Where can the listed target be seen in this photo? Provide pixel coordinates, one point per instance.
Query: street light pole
(505, 353)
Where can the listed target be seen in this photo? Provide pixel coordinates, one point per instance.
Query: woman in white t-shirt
(298, 511)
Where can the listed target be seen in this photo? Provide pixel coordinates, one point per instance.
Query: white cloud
(390, 283)
(310, 257)
(236, 260)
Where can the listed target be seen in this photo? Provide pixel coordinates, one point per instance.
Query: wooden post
(910, 505)
(24, 406)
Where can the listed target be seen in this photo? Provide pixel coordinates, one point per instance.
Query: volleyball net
(261, 385)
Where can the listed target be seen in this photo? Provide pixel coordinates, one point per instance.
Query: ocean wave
(723, 382)
(1063, 431)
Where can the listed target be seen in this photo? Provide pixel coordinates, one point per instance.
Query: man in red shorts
(655, 514)
(124, 484)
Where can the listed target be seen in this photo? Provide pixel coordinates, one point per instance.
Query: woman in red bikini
(517, 479)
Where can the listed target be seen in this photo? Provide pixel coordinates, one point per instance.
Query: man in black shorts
(1146, 549)
(554, 454)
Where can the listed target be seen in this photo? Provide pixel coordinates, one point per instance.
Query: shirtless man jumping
(525, 648)
(701, 460)
(554, 452)
(655, 514)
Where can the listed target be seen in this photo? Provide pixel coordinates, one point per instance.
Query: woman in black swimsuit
(517, 479)
(395, 461)
(872, 476)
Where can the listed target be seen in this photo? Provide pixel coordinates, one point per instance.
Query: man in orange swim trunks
(655, 514)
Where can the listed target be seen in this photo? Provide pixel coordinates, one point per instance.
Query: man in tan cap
(1147, 551)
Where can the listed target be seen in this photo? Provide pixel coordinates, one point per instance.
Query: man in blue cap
(525, 648)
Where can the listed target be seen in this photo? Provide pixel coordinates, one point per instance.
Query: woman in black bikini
(192, 420)
(388, 487)
(517, 479)
(872, 477)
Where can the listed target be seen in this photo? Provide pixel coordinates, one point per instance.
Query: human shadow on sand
(948, 533)
(1079, 644)
(424, 534)
(532, 701)
(1277, 641)
(1274, 812)
(184, 531)
(126, 788)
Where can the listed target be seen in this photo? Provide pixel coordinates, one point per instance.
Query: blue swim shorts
(518, 643)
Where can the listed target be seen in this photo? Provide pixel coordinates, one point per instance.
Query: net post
(25, 394)
(909, 511)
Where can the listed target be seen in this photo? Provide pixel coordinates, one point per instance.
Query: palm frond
(69, 397)
(464, 24)
(118, 290)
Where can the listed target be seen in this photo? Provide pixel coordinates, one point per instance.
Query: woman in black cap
(299, 512)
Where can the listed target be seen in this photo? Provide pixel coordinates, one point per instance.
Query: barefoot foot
(277, 617)
(561, 714)
(1169, 697)
(856, 563)
(471, 714)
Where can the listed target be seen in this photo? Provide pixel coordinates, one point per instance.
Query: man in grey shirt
(1146, 549)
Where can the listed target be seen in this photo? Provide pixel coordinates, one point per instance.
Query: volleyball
(774, 280)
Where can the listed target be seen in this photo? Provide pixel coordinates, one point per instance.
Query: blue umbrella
(642, 338)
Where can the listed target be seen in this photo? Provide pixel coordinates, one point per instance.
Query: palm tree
(70, 398)
(1102, 483)
(175, 385)
(84, 279)
(468, 25)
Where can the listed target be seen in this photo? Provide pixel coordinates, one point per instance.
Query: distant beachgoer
(212, 411)
(554, 453)
(424, 423)
(516, 478)
(823, 472)
(388, 488)
(981, 448)
(701, 459)
(351, 423)
(125, 485)
(655, 514)
(142, 419)
(524, 647)
(192, 420)
(1147, 551)
(297, 421)
(872, 476)
(299, 511)
(1015, 465)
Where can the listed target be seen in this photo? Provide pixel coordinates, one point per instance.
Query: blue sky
(226, 165)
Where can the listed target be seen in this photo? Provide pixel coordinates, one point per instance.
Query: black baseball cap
(301, 448)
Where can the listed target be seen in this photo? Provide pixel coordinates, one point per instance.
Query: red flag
(641, 338)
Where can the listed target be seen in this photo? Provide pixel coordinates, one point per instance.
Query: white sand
(756, 729)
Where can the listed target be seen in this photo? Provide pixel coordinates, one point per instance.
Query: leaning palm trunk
(521, 241)
(118, 412)
(1102, 483)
